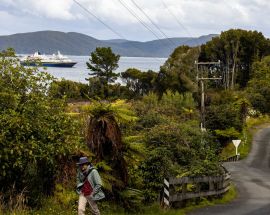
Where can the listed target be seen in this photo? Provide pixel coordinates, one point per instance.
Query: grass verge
(228, 197)
(155, 209)
(252, 126)
(54, 208)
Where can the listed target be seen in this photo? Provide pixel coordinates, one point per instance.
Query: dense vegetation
(37, 136)
(135, 134)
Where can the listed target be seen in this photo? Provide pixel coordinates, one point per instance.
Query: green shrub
(69, 89)
(35, 131)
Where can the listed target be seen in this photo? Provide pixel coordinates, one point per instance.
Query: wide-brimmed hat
(83, 160)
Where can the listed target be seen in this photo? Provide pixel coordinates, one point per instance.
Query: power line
(107, 26)
(138, 18)
(133, 1)
(228, 5)
(175, 17)
(178, 21)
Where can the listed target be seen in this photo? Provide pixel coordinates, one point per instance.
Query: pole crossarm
(207, 63)
(209, 78)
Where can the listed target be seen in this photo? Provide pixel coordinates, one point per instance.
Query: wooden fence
(179, 189)
(232, 158)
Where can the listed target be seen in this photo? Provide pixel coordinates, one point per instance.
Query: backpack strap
(88, 174)
(79, 186)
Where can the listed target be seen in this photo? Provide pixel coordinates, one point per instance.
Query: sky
(174, 18)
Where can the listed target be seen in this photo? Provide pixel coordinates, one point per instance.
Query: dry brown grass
(13, 201)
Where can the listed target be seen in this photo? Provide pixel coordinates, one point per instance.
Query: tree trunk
(234, 63)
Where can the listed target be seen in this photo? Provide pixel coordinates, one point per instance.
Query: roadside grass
(228, 197)
(204, 202)
(53, 207)
(252, 126)
(155, 209)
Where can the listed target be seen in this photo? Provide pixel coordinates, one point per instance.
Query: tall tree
(258, 89)
(236, 49)
(132, 79)
(178, 72)
(138, 82)
(102, 63)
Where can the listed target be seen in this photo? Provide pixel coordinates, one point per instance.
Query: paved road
(252, 179)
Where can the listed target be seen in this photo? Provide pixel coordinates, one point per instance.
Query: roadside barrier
(180, 189)
(232, 159)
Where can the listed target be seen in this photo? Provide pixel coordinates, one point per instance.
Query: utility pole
(201, 78)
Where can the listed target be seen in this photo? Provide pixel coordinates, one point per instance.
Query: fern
(131, 199)
(121, 110)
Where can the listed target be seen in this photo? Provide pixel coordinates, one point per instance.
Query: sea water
(79, 72)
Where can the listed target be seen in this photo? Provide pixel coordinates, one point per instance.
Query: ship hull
(49, 64)
(71, 64)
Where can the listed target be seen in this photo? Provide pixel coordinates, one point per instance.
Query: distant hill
(116, 41)
(73, 43)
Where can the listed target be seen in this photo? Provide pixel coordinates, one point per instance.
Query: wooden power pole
(201, 79)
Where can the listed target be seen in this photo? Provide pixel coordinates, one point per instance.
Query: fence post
(166, 197)
(184, 189)
(211, 184)
(198, 187)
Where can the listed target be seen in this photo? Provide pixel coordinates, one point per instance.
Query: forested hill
(72, 43)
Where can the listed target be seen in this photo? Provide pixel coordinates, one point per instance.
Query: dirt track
(252, 179)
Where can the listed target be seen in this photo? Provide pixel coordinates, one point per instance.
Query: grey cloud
(197, 16)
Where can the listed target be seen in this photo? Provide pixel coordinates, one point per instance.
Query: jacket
(95, 181)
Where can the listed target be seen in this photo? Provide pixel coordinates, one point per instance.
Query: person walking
(88, 187)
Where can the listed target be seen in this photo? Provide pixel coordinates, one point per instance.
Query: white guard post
(166, 197)
(236, 143)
